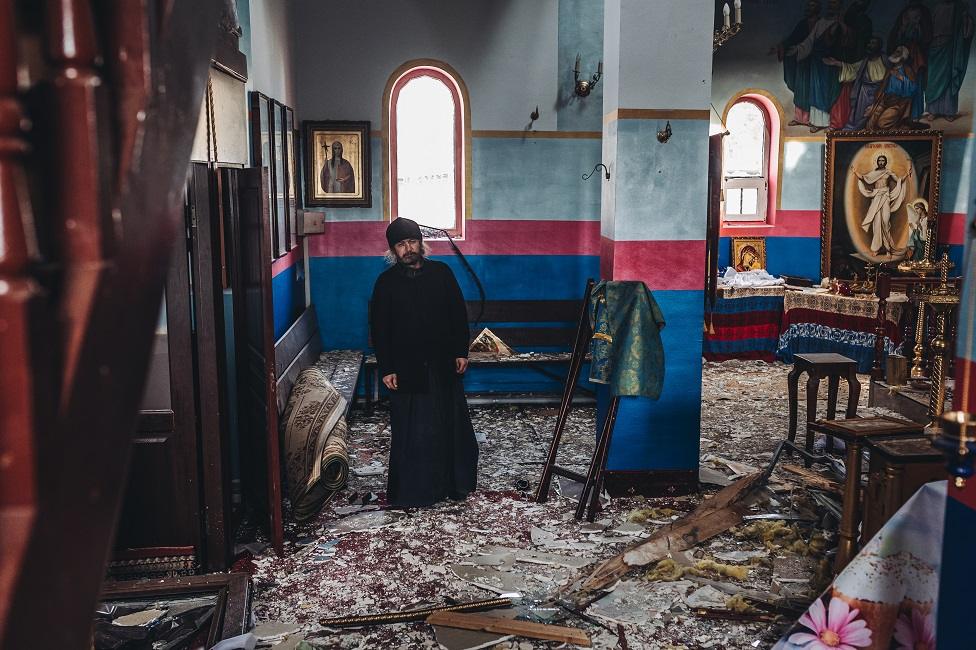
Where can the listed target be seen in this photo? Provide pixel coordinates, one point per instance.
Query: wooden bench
(531, 327)
(301, 347)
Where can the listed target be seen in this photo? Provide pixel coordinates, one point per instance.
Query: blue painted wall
(535, 178)
(580, 32)
(342, 287)
(664, 434)
(288, 293)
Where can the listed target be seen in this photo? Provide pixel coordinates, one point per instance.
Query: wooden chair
(819, 366)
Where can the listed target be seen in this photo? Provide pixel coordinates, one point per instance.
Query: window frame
(462, 137)
(760, 183)
(774, 118)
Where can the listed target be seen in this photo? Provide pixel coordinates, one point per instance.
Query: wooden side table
(899, 466)
(819, 366)
(855, 432)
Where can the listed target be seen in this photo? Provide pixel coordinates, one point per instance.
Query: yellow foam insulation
(776, 535)
(739, 605)
(668, 570)
(644, 515)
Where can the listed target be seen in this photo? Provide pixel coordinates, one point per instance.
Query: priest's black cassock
(419, 327)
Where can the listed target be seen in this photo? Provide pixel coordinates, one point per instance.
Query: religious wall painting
(337, 164)
(874, 65)
(748, 253)
(878, 191)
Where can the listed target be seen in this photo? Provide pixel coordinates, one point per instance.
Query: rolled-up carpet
(314, 430)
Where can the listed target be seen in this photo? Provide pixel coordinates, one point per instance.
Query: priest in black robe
(420, 333)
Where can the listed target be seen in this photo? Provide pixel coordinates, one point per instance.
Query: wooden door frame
(205, 237)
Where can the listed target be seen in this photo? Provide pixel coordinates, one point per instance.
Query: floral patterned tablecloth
(822, 322)
(887, 596)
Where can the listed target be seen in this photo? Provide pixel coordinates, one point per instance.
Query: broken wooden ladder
(593, 480)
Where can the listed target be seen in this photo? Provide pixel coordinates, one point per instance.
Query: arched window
(426, 118)
(746, 160)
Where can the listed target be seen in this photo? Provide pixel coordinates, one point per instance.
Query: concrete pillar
(658, 69)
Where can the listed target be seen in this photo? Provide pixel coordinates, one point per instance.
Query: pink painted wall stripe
(487, 237)
(952, 230)
(662, 265)
(789, 223)
(806, 223)
(286, 261)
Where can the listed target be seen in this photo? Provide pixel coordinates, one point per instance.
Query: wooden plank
(525, 311)
(485, 623)
(211, 365)
(155, 422)
(812, 479)
(536, 336)
(712, 517)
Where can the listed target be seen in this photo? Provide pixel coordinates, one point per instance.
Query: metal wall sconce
(584, 87)
(664, 134)
(606, 171)
(729, 28)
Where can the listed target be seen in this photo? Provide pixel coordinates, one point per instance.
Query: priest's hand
(461, 364)
(390, 381)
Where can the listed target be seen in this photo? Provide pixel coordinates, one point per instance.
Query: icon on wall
(873, 185)
(337, 169)
(748, 253)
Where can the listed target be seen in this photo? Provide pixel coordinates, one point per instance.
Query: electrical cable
(467, 266)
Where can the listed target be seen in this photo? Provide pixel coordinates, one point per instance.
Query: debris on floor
(734, 584)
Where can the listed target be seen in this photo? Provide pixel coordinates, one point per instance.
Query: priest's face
(874, 46)
(408, 251)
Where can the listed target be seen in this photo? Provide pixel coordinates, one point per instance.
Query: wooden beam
(485, 623)
(812, 479)
(712, 517)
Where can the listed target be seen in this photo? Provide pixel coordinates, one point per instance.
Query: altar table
(816, 321)
(743, 324)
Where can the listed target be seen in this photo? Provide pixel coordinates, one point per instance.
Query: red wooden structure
(95, 99)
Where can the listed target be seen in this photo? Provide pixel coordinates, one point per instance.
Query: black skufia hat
(400, 229)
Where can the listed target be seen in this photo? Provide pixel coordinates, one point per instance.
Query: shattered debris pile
(722, 569)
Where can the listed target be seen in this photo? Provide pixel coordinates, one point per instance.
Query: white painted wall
(668, 55)
(269, 69)
(505, 50)
(230, 116)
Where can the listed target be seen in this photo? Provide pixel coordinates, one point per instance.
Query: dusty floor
(353, 560)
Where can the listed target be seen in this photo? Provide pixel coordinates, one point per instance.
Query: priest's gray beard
(390, 257)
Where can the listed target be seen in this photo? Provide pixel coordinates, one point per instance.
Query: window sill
(746, 224)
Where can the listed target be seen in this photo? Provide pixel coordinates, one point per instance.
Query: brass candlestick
(943, 299)
(922, 268)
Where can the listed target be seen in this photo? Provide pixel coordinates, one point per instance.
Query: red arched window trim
(452, 85)
(774, 147)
